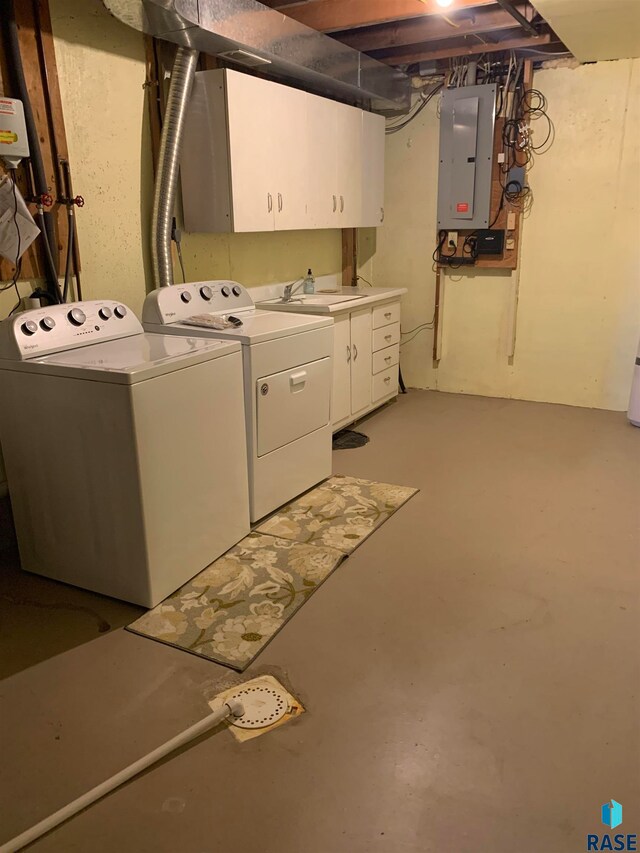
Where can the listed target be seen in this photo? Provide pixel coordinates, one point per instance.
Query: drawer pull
(387, 314)
(298, 378)
(387, 358)
(387, 379)
(388, 337)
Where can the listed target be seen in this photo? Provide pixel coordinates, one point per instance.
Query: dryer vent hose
(182, 73)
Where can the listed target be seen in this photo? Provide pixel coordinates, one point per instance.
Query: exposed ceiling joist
(517, 15)
(447, 50)
(332, 15)
(430, 28)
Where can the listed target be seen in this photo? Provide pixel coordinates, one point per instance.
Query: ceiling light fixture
(444, 3)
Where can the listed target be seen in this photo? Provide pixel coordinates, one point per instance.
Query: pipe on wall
(164, 196)
(10, 29)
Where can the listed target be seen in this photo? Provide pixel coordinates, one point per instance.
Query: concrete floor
(470, 673)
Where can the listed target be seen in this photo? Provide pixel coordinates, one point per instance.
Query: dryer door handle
(298, 378)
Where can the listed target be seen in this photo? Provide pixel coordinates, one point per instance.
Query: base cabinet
(365, 361)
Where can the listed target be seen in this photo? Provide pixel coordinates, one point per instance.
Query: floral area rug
(341, 513)
(231, 610)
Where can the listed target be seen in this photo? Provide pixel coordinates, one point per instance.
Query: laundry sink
(315, 299)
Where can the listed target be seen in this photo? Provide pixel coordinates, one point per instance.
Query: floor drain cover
(263, 706)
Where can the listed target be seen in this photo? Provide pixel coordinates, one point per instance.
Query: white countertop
(364, 297)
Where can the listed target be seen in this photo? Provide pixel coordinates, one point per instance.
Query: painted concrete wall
(579, 308)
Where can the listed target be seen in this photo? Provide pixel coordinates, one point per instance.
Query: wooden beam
(456, 48)
(426, 29)
(38, 58)
(331, 15)
(349, 257)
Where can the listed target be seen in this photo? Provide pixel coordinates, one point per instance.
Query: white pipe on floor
(230, 708)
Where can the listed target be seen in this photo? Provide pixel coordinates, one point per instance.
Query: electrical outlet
(510, 244)
(502, 157)
(511, 221)
(452, 239)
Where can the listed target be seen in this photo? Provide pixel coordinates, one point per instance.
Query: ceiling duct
(252, 35)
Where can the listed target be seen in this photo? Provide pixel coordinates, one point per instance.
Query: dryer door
(293, 403)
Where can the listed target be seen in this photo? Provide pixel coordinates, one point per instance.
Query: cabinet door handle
(341, 204)
(355, 352)
(382, 214)
(269, 202)
(335, 203)
(348, 353)
(279, 202)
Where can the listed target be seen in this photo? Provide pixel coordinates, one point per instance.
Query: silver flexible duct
(164, 194)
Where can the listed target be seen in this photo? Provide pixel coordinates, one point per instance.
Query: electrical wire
(362, 278)
(426, 99)
(179, 248)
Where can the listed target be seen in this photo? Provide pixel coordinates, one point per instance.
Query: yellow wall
(102, 71)
(579, 307)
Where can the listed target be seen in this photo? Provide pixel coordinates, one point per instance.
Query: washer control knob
(29, 327)
(236, 290)
(225, 291)
(105, 313)
(186, 296)
(47, 323)
(77, 316)
(120, 311)
(205, 292)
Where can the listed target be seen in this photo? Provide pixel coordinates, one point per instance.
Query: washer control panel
(43, 331)
(172, 304)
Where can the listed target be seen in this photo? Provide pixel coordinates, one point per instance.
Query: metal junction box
(467, 121)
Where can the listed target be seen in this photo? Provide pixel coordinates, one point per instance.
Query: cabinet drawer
(385, 358)
(384, 315)
(386, 336)
(385, 383)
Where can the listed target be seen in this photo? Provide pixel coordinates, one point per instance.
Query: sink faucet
(290, 289)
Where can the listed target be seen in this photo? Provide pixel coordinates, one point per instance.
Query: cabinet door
(360, 360)
(251, 103)
(372, 169)
(341, 400)
(290, 165)
(348, 165)
(321, 181)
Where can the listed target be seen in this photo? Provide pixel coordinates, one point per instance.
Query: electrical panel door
(467, 119)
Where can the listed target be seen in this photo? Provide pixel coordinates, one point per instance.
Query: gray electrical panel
(467, 120)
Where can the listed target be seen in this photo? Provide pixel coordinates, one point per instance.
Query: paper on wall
(24, 222)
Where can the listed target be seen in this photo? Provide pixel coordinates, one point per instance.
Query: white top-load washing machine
(124, 451)
(287, 380)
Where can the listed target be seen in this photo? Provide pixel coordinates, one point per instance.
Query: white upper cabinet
(372, 213)
(322, 147)
(250, 103)
(259, 156)
(349, 164)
